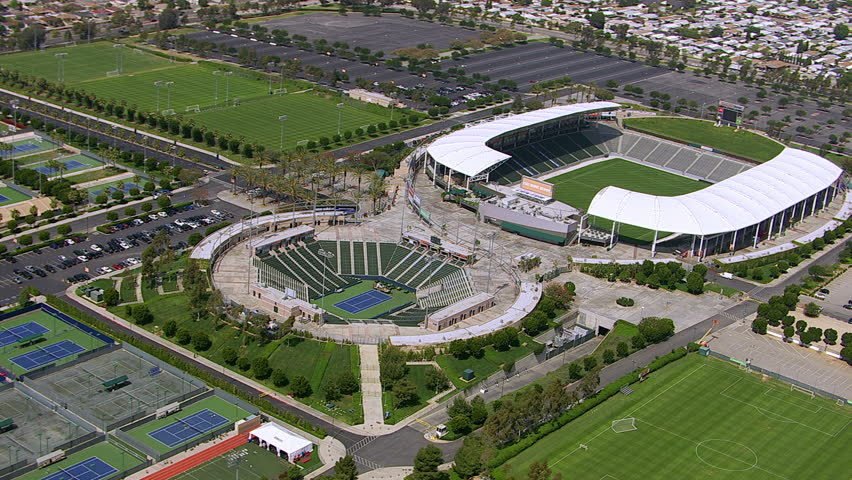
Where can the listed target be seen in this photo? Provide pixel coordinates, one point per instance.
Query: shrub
(625, 302)
(260, 368)
(608, 356)
(279, 378)
(63, 229)
(183, 336)
(812, 310)
(244, 364)
(656, 329)
(230, 355)
(201, 342)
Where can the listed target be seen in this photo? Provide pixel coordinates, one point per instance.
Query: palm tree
(376, 189)
(55, 165)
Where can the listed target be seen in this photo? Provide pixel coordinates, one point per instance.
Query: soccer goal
(624, 425)
(279, 91)
(236, 102)
(302, 143)
(113, 73)
(193, 108)
(170, 111)
(796, 388)
(138, 52)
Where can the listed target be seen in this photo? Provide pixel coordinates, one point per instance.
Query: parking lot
(51, 270)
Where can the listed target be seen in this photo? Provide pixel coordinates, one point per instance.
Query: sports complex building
(497, 168)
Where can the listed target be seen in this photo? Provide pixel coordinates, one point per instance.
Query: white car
(153, 217)
(133, 261)
(96, 248)
(162, 214)
(124, 245)
(104, 270)
(82, 258)
(216, 212)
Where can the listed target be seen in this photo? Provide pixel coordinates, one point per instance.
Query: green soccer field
(215, 404)
(202, 86)
(249, 462)
(726, 139)
(398, 299)
(578, 187)
(699, 418)
(117, 458)
(57, 332)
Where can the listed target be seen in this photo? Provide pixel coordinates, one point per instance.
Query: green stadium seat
(372, 258)
(345, 258)
(358, 256)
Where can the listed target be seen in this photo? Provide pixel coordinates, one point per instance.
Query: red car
(117, 266)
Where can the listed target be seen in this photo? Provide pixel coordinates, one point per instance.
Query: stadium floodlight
(169, 95)
(282, 119)
(60, 66)
(119, 57)
(157, 85)
(339, 115)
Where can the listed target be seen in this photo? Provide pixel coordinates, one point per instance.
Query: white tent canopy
(284, 441)
(732, 204)
(465, 151)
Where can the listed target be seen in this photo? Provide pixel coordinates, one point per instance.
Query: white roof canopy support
(732, 204)
(465, 151)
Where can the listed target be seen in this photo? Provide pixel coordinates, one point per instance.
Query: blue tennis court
(9, 336)
(363, 301)
(90, 469)
(69, 166)
(3, 198)
(49, 354)
(187, 428)
(25, 147)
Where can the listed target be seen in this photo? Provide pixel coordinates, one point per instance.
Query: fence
(783, 378)
(83, 357)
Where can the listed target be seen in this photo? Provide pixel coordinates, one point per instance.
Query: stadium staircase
(187, 464)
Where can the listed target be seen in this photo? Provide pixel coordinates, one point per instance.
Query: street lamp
(169, 95)
(60, 66)
(326, 255)
(158, 84)
(282, 119)
(339, 116)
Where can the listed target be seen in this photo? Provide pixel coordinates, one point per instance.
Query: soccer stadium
(561, 175)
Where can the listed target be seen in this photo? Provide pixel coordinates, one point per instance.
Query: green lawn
(578, 188)
(725, 139)
(99, 283)
(254, 463)
(715, 287)
(310, 115)
(489, 363)
(215, 404)
(699, 418)
(10, 196)
(398, 298)
(57, 332)
(128, 289)
(93, 175)
(417, 376)
(108, 452)
(622, 331)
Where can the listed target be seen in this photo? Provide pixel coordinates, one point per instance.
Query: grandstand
(436, 280)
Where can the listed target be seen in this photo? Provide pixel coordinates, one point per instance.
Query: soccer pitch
(249, 462)
(725, 139)
(700, 418)
(578, 187)
(238, 103)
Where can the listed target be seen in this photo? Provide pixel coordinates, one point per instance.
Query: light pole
(339, 116)
(216, 74)
(169, 95)
(158, 84)
(326, 255)
(227, 85)
(145, 152)
(60, 66)
(282, 119)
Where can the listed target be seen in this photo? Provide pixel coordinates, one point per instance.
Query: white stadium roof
(732, 204)
(465, 151)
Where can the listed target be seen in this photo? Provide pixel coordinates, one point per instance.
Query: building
(281, 442)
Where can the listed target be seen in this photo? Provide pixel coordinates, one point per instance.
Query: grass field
(93, 175)
(417, 376)
(10, 196)
(398, 298)
(490, 362)
(57, 332)
(128, 288)
(214, 403)
(726, 139)
(578, 187)
(106, 451)
(309, 115)
(700, 418)
(249, 462)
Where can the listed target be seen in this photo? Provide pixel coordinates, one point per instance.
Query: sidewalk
(371, 386)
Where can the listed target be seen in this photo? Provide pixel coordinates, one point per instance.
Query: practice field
(220, 97)
(699, 418)
(249, 462)
(725, 139)
(193, 422)
(102, 461)
(361, 301)
(578, 187)
(56, 342)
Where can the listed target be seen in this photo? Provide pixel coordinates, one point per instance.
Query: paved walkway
(371, 386)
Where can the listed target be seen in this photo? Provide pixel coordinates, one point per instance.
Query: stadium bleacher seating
(682, 160)
(704, 165)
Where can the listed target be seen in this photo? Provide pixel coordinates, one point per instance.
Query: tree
(830, 336)
(478, 411)
(201, 342)
(846, 354)
(812, 310)
(183, 336)
(597, 20)
(695, 283)
(195, 238)
(622, 350)
(608, 356)
(468, 460)
(428, 459)
(841, 31)
(164, 202)
(575, 371)
(460, 424)
(301, 387)
(168, 19)
(111, 297)
(758, 325)
(279, 378)
(347, 383)
(142, 315)
(345, 469)
(437, 380)
(405, 393)
(539, 471)
(656, 329)
(423, 6)
(230, 355)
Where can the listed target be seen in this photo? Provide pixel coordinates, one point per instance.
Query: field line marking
(709, 448)
(770, 389)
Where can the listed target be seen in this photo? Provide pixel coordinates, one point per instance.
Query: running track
(199, 458)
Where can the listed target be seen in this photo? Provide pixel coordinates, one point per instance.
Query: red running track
(199, 458)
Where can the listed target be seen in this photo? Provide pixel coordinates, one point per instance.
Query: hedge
(579, 409)
(165, 356)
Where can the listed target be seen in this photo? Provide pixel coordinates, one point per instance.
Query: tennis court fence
(83, 357)
(783, 378)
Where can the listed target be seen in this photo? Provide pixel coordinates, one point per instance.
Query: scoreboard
(730, 114)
